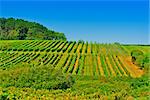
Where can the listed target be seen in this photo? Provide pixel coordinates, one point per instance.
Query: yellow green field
(88, 63)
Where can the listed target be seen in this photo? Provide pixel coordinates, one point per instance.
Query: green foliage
(38, 75)
(65, 48)
(135, 54)
(104, 64)
(69, 50)
(141, 59)
(146, 62)
(4, 96)
(72, 64)
(13, 29)
(86, 47)
(117, 43)
(118, 88)
(41, 77)
(81, 64)
(75, 49)
(81, 47)
(80, 41)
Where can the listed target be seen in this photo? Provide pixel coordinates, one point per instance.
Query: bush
(140, 59)
(144, 62)
(4, 96)
(39, 77)
(135, 54)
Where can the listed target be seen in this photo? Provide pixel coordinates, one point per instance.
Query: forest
(19, 29)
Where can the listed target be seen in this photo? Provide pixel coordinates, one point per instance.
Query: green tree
(10, 28)
(22, 33)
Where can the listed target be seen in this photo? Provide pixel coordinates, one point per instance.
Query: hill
(57, 69)
(19, 29)
(73, 57)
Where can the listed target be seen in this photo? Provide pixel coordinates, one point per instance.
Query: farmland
(97, 60)
(84, 61)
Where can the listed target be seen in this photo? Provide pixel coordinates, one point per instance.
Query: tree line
(19, 29)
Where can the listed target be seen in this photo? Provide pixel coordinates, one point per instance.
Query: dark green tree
(11, 29)
(22, 33)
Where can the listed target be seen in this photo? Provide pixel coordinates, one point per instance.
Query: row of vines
(77, 58)
(76, 64)
(61, 47)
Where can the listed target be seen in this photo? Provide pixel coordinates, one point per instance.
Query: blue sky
(104, 21)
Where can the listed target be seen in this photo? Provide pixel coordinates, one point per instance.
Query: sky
(103, 21)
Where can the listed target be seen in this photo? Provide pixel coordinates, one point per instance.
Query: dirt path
(135, 69)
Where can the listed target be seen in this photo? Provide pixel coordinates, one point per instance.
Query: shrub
(140, 59)
(4, 96)
(39, 77)
(135, 54)
(143, 61)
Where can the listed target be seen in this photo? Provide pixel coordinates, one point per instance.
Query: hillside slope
(19, 29)
(66, 70)
(77, 58)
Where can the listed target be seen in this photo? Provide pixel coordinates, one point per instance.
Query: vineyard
(77, 58)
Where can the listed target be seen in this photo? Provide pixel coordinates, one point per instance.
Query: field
(87, 62)
(108, 60)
